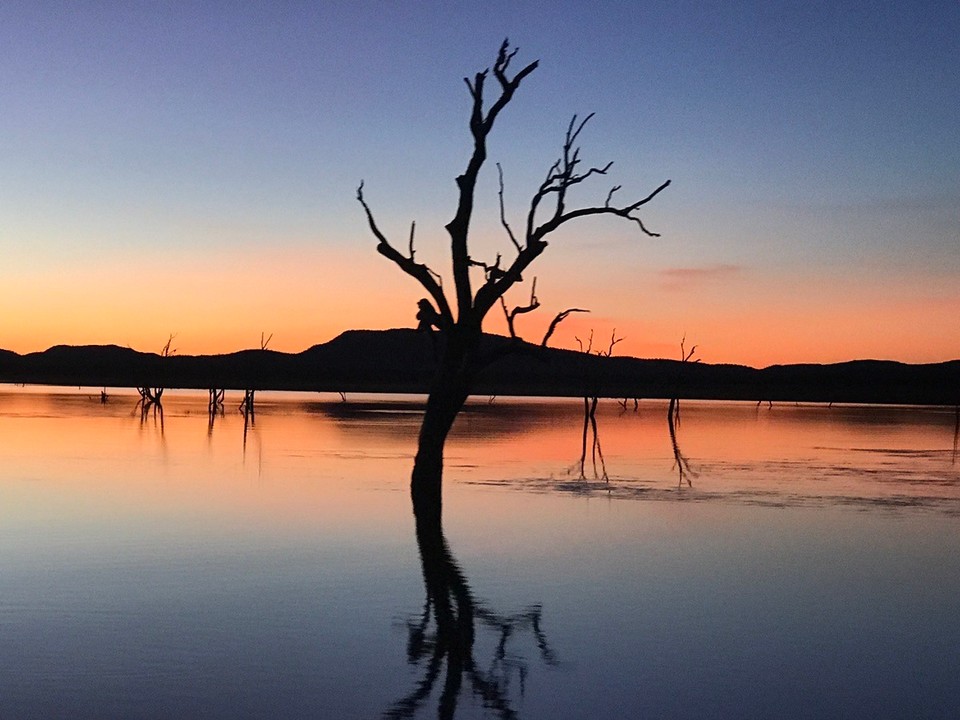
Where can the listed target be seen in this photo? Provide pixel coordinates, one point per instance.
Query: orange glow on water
(316, 466)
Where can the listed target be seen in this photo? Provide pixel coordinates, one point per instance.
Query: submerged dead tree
(215, 400)
(956, 432)
(680, 462)
(249, 395)
(215, 403)
(151, 397)
(590, 402)
(685, 357)
(458, 321)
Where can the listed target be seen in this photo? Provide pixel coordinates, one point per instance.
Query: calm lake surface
(810, 568)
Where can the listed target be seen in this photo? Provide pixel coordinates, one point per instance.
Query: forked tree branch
(480, 126)
(613, 341)
(520, 310)
(561, 176)
(427, 277)
(687, 356)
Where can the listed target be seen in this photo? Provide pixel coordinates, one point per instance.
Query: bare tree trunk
(450, 390)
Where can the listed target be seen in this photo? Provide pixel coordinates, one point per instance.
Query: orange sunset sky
(195, 173)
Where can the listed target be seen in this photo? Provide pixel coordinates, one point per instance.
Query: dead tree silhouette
(247, 404)
(459, 357)
(685, 357)
(151, 397)
(956, 432)
(215, 401)
(511, 315)
(442, 638)
(590, 403)
(680, 461)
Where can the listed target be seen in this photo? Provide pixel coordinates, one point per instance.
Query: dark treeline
(405, 361)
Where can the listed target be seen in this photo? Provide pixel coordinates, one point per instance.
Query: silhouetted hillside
(403, 361)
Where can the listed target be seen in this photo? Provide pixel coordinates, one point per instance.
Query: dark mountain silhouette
(405, 360)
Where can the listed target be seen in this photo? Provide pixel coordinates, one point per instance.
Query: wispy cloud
(683, 277)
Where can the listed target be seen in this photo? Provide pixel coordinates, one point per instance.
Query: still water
(805, 563)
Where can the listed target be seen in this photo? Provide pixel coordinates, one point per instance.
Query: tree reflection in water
(680, 462)
(441, 639)
(150, 401)
(956, 433)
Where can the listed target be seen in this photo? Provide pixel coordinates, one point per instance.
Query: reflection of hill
(403, 361)
(402, 419)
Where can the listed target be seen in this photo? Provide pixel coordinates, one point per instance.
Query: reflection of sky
(813, 151)
(175, 571)
(306, 457)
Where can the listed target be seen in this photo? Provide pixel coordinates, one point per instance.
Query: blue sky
(162, 158)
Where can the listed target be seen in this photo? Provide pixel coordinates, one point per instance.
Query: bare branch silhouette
(589, 348)
(503, 214)
(427, 277)
(167, 351)
(511, 315)
(559, 318)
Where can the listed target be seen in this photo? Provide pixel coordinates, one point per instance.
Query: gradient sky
(191, 168)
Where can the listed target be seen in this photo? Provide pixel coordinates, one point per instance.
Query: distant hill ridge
(403, 360)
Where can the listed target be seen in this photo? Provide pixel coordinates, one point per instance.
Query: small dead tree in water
(150, 397)
(590, 415)
(247, 408)
(214, 407)
(461, 327)
(246, 405)
(215, 401)
(680, 461)
(685, 357)
(956, 432)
